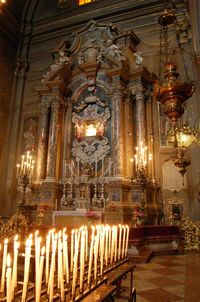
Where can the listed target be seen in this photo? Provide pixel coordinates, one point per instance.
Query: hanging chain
(161, 53)
(182, 52)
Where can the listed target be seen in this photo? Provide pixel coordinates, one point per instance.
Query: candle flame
(6, 241)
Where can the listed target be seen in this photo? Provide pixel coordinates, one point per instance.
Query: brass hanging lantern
(181, 162)
(169, 90)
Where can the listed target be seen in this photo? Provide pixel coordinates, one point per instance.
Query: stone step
(144, 255)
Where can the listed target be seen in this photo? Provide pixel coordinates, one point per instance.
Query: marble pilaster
(140, 115)
(117, 132)
(53, 138)
(43, 143)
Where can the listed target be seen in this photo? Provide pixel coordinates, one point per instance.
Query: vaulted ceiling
(10, 20)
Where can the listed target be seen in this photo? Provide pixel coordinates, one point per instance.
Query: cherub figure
(113, 50)
(138, 58)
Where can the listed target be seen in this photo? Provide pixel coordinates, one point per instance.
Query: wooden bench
(120, 273)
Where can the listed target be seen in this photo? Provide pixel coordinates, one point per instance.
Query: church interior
(99, 161)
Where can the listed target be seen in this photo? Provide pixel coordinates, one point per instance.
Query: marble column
(140, 115)
(53, 139)
(117, 128)
(43, 143)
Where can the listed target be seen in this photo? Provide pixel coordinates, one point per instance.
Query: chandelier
(170, 90)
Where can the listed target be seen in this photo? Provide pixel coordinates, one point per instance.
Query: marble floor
(167, 278)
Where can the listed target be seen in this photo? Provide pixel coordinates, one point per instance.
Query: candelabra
(142, 165)
(25, 174)
(142, 168)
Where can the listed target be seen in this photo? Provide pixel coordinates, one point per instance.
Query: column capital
(55, 105)
(54, 98)
(137, 90)
(119, 92)
(44, 106)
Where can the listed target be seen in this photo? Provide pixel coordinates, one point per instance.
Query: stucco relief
(88, 151)
(94, 112)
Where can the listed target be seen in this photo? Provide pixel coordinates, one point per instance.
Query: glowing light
(91, 130)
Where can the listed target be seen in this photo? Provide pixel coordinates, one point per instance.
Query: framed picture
(30, 134)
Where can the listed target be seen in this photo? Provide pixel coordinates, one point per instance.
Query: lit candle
(38, 285)
(47, 256)
(95, 257)
(86, 244)
(112, 246)
(8, 280)
(123, 240)
(115, 238)
(37, 256)
(90, 259)
(60, 270)
(14, 274)
(66, 260)
(60, 264)
(72, 250)
(106, 248)
(127, 237)
(102, 252)
(75, 269)
(3, 272)
(82, 260)
(52, 269)
(26, 268)
(120, 240)
(110, 240)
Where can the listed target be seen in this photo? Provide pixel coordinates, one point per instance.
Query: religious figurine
(63, 58)
(138, 58)
(114, 51)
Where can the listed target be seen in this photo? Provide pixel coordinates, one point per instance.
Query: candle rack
(43, 273)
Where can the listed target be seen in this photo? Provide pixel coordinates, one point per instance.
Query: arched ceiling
(10, 20)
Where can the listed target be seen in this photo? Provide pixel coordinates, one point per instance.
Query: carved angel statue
(59, 61)
(63, 58)
(114, 50)
(138, 58)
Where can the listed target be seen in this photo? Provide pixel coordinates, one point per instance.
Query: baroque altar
(95, 109)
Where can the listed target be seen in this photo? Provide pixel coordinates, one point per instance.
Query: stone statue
(113, 50)
(63, 58)
(138, 58)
